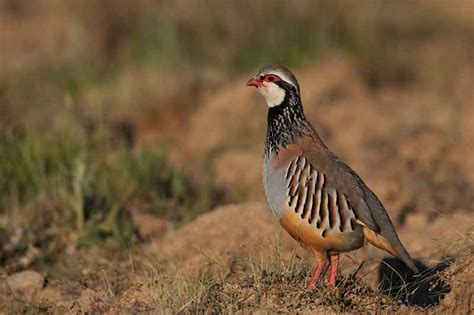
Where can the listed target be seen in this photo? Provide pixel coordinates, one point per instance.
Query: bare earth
(377, 133)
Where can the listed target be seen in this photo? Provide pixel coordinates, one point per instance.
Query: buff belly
(321, 240)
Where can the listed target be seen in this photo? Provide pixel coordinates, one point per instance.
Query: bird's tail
(396, 250)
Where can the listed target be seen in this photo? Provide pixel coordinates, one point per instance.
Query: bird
(318, 199)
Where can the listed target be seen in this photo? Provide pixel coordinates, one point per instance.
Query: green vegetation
(97, 102)
(69, 169)
(231, 38)
(78, 177)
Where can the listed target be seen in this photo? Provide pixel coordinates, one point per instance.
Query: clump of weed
(271, 284)
(76, 180)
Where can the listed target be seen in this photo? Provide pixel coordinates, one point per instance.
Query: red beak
(254, 82)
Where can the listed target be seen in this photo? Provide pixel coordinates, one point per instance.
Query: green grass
(78, 177)
(66, 174)
(231, 38)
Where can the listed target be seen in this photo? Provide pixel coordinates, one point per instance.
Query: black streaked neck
(285, 123)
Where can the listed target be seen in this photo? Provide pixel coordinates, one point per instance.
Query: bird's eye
(270, 78)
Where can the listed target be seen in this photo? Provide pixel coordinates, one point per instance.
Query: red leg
(318, 271)
(333, 270)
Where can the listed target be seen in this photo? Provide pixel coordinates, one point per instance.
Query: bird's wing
(343, 179)
(312, 196)
(368, 209)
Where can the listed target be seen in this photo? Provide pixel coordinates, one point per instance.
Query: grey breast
(274, 186)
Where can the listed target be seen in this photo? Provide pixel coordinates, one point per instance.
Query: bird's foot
(313, 281)
(333, 270)
(311, 284)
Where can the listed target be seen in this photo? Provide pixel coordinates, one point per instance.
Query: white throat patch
(273, 94)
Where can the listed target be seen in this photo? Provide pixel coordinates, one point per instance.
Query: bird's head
(275, 83)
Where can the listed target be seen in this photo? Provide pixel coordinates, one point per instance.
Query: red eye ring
(271, 78)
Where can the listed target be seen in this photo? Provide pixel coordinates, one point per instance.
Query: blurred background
(123, 120)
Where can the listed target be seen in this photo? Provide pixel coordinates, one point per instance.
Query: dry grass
(122, 121)
(248, 283)
(76, 184)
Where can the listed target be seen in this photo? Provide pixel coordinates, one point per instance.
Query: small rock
(27, 282)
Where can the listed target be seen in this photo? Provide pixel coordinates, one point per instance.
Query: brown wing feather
(367, 207)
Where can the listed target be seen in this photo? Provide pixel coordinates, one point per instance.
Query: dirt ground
(378, 133)
(411, 141)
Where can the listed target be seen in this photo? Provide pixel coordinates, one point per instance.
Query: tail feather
(396, 250)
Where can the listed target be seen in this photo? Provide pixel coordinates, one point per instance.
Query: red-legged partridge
(320, 201)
